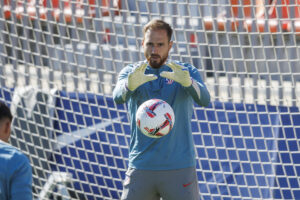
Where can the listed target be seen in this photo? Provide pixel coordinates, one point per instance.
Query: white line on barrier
(69, 138)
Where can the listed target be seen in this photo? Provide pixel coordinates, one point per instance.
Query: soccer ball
(155, 118)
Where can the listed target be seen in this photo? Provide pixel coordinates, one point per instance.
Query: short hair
(157, 24)
(5, 112)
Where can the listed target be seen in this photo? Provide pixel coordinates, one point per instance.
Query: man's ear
(7, 130)
(170, 45)
(7, 127)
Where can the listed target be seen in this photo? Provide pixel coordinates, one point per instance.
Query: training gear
(138, 77)
(180, 74)
(169, 184)
(162, 154)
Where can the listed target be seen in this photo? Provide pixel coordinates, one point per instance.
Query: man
(163, 167)
(15, 169)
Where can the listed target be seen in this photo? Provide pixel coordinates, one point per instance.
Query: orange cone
(79, 13)
(260, 15)
(31, 9)
(7, 9)
(19, 9)
(286, 23)
(67, 11)
(247, 15)
(43, 9)
(92, 8)
(234, 14)
(56, 10)
(273, 22)
(297, 17)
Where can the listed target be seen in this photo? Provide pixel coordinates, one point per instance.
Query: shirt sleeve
(198, 90)
(121, 93)
(21, 178)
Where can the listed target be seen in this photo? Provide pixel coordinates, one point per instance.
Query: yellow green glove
(179, 74)
(138, 77)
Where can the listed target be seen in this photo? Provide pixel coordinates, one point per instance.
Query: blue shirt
(15, 174)
(175, 150)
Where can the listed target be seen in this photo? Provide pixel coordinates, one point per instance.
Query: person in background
(164, 167)
(15, 168)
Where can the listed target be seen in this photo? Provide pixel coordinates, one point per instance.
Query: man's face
(156, 47)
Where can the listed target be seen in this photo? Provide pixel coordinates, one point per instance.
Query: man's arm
(198, 90)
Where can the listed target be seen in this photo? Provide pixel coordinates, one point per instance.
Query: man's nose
(154, 49)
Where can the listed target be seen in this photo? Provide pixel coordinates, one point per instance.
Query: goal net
(59, 60)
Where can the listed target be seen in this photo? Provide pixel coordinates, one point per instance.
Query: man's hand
(179, 75)
(138, 77)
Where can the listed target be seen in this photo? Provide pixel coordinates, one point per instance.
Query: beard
(156, 61)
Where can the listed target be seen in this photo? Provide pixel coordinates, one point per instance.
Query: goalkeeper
(164, 167)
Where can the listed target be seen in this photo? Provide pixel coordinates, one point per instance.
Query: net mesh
(60, 60)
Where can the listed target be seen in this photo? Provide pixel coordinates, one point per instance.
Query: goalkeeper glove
(138, 77)
(179, 75)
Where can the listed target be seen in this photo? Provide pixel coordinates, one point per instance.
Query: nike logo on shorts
(185, 185)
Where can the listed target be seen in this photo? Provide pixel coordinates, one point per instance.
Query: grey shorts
(181, 184)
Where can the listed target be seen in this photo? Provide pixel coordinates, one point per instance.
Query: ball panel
(155, 118)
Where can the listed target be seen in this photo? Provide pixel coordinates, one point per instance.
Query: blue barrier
(238, 146)
(243, 150)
